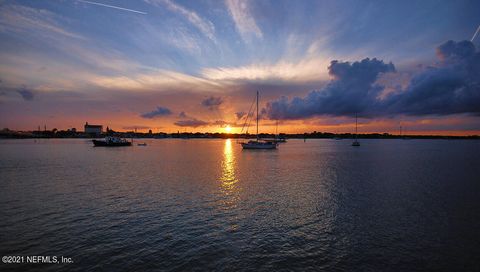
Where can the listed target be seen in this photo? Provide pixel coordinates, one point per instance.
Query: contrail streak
(109, 6)
(475, 35)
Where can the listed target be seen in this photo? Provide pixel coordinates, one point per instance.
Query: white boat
(356, 142)
(259, 144)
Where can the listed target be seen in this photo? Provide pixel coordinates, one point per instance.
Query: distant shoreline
(10, 134)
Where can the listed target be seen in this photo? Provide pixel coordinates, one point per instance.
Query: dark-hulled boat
(111, 142)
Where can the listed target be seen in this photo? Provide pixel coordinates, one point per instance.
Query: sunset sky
(193, 66)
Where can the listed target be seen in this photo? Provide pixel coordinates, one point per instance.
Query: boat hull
(110, 144)
(251, 145)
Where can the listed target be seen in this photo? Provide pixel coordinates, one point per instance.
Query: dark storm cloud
(159, 111)
(26, 94)
(455, 51)
(212, 102)
(450, 87)
(351, 91)
(191, 123)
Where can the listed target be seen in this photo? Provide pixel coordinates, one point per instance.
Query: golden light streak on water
(229, 184)
(228, 177)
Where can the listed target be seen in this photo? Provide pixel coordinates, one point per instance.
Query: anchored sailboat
(356, 142)
(259, 144)
(278, 139)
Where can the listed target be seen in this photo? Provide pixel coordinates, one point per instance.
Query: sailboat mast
(356, 124)
(257, 115)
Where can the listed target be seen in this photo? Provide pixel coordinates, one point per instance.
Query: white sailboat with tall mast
(356, 142)
(259, 144)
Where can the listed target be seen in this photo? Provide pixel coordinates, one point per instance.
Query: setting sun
(228, 128)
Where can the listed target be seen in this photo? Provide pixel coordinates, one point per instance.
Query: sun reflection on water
(229, 186)
(228, 177)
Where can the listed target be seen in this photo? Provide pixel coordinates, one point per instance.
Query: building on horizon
(93, 130)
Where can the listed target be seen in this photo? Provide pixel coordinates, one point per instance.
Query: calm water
(181, 205)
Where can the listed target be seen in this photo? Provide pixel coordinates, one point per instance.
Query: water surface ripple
(183, 205)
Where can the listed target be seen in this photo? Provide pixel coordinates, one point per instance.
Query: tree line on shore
(72, 133)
